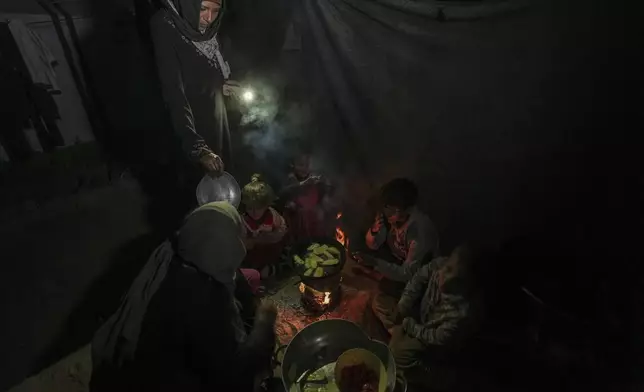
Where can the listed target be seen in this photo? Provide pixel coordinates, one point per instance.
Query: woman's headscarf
(186, 18)
(209, 240)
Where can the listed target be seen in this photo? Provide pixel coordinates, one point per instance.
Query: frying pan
(321, 343)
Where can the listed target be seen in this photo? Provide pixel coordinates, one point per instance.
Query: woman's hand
(212, 164)
(232, 88)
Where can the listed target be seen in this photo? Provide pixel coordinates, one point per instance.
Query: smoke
(272, 130)
(266, 141)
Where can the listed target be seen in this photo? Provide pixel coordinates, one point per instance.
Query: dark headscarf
(186, 18)
(209, 240)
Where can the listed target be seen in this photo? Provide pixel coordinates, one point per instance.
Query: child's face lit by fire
(256, 212)
(302, 166)
(395, 215)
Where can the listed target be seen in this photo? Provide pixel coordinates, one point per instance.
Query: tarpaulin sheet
(487, 105)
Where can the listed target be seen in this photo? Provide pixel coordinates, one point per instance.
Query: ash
(292, 316)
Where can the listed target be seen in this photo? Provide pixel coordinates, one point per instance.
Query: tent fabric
(485, 107)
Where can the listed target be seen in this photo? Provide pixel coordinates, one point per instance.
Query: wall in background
(74, 124)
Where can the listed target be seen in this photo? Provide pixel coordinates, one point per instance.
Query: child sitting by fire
(401, 240)
(306, 197)
(264, 227)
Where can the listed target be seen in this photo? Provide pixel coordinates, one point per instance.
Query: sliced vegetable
(319, 272)
(313, 246)
(334, 250)
(328, 255)
(298, 259)
(329, 262)
(315, 258)
(308, 272)
(320, 249)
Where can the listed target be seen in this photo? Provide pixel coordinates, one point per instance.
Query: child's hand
(312, 180)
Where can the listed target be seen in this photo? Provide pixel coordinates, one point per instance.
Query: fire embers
(318, 301)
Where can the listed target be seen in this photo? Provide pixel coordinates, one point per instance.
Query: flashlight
(248, 95)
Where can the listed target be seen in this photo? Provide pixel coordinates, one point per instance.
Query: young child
(264, 227)
(305, 194)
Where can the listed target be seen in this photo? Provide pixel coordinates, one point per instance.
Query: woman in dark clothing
(179, 327)
(194, 78)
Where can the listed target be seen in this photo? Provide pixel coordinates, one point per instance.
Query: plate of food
(318, 258)
(359, 370)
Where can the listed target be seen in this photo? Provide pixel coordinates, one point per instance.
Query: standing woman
(179, 328)
(194, 78)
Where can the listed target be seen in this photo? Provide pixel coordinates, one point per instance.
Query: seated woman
(179, 327)
(438, 313)
(264, 227)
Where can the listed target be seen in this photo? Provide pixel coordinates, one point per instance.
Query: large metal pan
(321, 343)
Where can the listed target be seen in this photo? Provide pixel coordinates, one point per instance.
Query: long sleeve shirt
(192, 89)
(271, 227)
(444, 318)
(411, 243)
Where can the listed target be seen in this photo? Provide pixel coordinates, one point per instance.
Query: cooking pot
(321, 343)
(301, 248)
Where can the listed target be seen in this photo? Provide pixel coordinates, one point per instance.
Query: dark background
(518, 121)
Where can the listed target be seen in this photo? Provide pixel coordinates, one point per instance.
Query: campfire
(339, 233)
(321, 294)
(322, 298)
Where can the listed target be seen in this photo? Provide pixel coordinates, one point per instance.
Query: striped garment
(444, 318)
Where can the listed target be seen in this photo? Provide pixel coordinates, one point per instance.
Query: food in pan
(316, 257)
(358, 378)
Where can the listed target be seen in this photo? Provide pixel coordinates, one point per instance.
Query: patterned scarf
(208, 48)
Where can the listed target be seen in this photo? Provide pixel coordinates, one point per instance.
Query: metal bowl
(222, 188)
(322, 342)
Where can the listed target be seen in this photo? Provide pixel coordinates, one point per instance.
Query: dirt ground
(72, 373)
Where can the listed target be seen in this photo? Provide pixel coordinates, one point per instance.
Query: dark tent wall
(513, 122)
(509, 117)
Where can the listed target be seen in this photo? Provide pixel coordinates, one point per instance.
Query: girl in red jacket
(264, 227)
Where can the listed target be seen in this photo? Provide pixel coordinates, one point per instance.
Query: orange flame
(339, 234)
(320, 297)
(327, 299)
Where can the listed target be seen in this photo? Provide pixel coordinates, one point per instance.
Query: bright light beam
(248, 96)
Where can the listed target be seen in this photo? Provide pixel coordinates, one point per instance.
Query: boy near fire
(405, 238)
(305, 196)
(264, 227)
